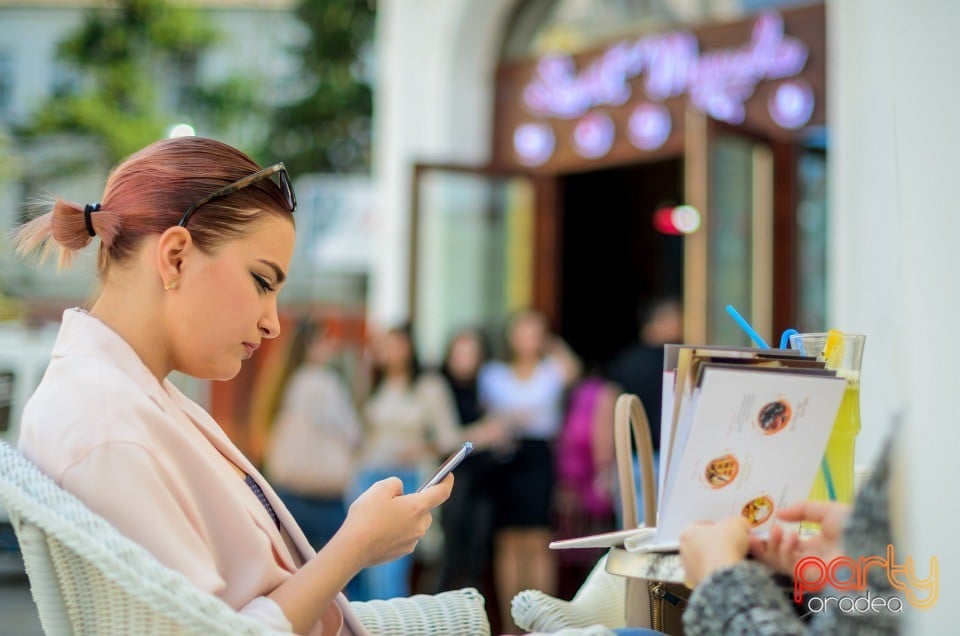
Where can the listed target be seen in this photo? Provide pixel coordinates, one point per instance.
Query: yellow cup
(843, 353)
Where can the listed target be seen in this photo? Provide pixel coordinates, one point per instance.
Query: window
(6, 82)
(65, 81)
(812, 240)
(185, 81)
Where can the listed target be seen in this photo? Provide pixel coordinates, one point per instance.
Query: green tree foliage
(118, 53)
(328, 129)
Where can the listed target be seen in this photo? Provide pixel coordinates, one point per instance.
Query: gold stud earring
(172, 285)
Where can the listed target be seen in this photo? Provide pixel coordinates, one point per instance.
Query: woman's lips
(250, 348)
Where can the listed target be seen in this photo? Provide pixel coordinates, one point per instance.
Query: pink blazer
(141, 454)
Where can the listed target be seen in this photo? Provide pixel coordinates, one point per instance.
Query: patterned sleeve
(742, 599)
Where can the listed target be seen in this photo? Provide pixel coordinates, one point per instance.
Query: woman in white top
(411, 421)
(195, 244)
(526, 391)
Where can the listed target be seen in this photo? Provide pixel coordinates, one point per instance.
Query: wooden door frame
(547, 233)
(783, 282)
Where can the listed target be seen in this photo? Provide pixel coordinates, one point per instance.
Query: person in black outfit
(467, 518)
(638, 369)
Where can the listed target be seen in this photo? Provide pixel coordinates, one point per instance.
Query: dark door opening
(614, 261)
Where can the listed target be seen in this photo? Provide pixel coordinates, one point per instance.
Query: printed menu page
(748, 441)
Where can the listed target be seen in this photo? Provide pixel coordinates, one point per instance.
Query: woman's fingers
(789, 548)
(391, 486)
(776, 551)
(435, 495)
(707, 547)
(815, 511)
(389, 523)
(761, 547)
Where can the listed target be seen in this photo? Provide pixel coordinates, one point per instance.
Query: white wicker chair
(87, 578)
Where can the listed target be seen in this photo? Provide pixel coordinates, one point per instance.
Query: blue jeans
(392, 579)
(319, 518)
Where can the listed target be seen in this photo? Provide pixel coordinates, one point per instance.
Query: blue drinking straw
(785, 339)
(827, 479)
(746, 327)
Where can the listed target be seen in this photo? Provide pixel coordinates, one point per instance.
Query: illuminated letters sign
(717, 82)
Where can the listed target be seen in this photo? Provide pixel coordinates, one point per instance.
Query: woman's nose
(270, 322)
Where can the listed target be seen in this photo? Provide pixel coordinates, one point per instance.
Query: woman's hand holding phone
(447, 466)
(384, 524)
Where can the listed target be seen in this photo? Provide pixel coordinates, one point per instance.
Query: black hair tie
(87, 209)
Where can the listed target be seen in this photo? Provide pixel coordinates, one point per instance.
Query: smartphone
(447, 467)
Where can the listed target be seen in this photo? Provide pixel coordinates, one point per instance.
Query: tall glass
(842, 352)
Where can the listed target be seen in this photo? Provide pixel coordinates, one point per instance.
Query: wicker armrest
(456, 612)
(87, 578)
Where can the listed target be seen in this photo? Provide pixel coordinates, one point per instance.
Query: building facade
(535, 153)
(890, 133)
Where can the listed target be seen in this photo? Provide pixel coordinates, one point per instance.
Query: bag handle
(629, 413)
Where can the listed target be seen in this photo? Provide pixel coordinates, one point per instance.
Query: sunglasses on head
(283, 181)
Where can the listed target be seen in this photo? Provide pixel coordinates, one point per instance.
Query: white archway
(434, 102)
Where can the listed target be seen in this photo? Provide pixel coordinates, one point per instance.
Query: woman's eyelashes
(263, 283)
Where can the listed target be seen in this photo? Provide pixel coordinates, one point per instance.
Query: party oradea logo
(849, 577)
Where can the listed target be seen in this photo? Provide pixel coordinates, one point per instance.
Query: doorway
(614, 261)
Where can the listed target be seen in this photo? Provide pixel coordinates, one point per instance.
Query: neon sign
(649, 126)
(791, 104)
(594, 135)
(718, 82)
(534, 143)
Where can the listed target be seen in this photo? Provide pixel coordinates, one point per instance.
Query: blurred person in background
(195, 245)
(315, 435)
(527, 392)
(638, 368)
(410, 423)
(586, 473)
(467, 518)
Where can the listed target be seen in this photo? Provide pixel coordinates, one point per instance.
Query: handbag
(653, 601)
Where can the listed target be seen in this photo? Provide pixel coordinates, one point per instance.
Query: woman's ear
(173, 249)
